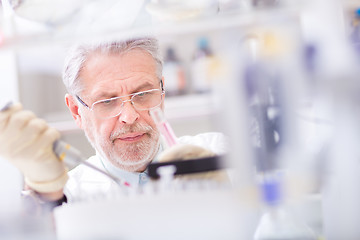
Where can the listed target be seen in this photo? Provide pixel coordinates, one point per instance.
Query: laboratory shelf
(20, 32)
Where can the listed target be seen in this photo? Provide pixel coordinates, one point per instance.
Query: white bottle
(175, 82)
(201, 67)
(277, 223)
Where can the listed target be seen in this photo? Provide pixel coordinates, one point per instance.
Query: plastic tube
(163, 125)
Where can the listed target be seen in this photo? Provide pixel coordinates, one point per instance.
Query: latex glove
(27, 142)
(184, 152)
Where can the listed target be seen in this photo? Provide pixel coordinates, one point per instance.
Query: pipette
(163, 125)
(71, 156)
(5, 106)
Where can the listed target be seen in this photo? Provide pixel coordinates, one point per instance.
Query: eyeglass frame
(123, 102)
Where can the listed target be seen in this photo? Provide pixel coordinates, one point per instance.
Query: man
(111, 88)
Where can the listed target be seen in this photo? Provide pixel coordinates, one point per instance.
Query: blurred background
(278, 77)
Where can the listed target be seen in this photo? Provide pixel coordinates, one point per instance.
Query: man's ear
(74, 109)
(163, 83)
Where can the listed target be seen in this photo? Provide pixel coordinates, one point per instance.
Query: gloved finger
(46, 139)
(20, 129)
(38, 146)
(30, 133)
(34, 128)
(16, 123)
(5, 115)
(12, 132)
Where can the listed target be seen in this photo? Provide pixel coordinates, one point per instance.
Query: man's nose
(128, 113)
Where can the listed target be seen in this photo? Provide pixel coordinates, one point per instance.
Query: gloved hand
(27, 142)
(184, 152)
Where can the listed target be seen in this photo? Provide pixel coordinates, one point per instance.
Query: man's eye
(107, 102)
(141, 94)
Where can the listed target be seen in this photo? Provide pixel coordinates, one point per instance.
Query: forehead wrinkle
(125, 89)
(121, 80)
(143, 87)
(105, 91)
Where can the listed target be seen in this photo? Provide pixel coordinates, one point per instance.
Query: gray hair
(79, 54)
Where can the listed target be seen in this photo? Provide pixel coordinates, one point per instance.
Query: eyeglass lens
(141, 101)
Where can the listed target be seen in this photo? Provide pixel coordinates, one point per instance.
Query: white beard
(129, 157)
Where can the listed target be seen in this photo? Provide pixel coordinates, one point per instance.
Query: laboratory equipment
(163, 125)
(355, 30)
(174, 74)
(71, 156)
(201, 66)
(5, 106)
(210, 215)
(189, 166)
(278, 222)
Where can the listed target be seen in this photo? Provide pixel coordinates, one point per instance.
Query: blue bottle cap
(203, 42)
(357, 12)
(271, 191)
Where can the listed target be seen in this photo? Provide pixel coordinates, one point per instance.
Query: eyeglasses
(112, 107)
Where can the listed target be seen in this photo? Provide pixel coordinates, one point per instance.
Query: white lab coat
(85, 183)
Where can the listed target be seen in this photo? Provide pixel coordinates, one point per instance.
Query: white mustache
(136, 127)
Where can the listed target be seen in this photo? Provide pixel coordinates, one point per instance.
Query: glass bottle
(174, 74)
(201, 66)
